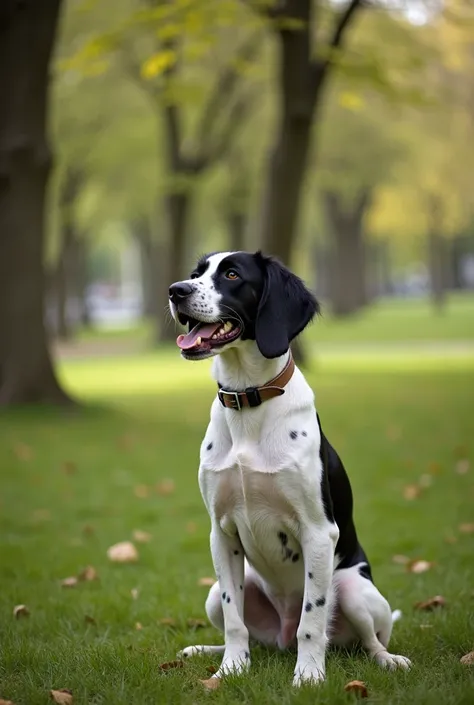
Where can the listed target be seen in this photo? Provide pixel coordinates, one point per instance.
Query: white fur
(257, 482)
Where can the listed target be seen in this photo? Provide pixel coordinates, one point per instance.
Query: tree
(27, 34)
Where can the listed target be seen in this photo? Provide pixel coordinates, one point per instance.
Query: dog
(290, 569)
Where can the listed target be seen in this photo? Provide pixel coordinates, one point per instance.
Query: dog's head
(234, 296)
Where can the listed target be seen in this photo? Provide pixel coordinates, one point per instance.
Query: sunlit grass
(69, 490)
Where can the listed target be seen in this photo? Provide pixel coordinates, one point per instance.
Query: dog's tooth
(198, 341)
(228, 326)
(214, 336)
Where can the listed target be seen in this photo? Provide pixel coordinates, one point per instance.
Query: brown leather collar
(254, 396)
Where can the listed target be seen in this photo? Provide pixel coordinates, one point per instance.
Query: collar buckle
(233, 398)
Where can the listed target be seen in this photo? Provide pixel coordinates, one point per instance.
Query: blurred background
(140, 133)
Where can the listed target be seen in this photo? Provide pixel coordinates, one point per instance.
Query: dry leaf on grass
(123, 552)
(21, 611)
(68, 467)
(171, 664)
(142, 491)
(138, 626)
(425, 480)
(358, 688)
(167, 621)
(165, 487)
(463, 466)
(411, 492)
(134, 593)
(419, 566)
(434, 468)
(6, 702)
(211, 683)
(191, 527)
(69, 582)
(211, 669)
(431, 604)
(450, 539)
(90, 620)
(466, 528)
(141, 536)
(196, 623)
(62, 697)
(206, 582)
(23, 451)
(88, 574)
(468, 659)
(88, 530)
(400, 560)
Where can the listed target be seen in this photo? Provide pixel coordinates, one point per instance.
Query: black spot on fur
(236, 553)
(228, 599)
(293, 435)
(283, 537)
(223, 595)
(310, 576)
(288, 554)
(247, 655)
(320, 602)
(303, 433)
(308, 607)
(308, 636)
(241, 587)
(295, 557)
(209, 447)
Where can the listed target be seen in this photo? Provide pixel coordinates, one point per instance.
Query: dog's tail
(396, 615)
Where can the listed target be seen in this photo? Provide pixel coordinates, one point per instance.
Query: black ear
(285, 309)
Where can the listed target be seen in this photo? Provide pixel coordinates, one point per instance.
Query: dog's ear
(285, 309)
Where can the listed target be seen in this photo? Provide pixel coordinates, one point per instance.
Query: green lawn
(69, 490)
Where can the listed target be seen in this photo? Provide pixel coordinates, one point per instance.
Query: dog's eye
(231, 274)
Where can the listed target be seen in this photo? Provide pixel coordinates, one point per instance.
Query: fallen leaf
(418, 566)
(468, 659)
(171, 664)
(400, 560)
(167, 621)
(6, 702)
(358, 688)
(142, 491)
(23, 451)
(138, 626)
(68, 467)
(411, 492)
(69, 582)
(466, 528)
(123, 552)
(211, 683)
(434, 468)
(431, 604)
(21, 611)
(134, 593)
(425, 480)
(211, 669)
(196, 623)
(88, 530)
(62, 697)
(191, 527)
(90, 620)
(463, 466)
(165, 487)
(141, 536)
(206, 582)
(88, 574)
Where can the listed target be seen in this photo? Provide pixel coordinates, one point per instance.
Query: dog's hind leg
(369, 614)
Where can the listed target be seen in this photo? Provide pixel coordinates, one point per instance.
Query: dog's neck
(244, 366)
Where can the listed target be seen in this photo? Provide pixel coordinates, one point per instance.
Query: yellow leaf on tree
(158, 63)
(351, 101)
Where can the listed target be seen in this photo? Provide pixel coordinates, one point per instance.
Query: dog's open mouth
(203, 337)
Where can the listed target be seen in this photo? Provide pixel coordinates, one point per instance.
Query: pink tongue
(202, 330)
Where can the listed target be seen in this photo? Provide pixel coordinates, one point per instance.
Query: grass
(387, 321)
(69, 491)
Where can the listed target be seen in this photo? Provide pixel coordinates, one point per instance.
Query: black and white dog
(289, 566)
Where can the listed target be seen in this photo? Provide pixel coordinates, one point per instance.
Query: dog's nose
(180, 291)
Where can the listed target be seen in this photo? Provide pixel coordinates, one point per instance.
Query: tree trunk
(348, 281)
(236, 227)
(81, 281)
(27, 32)
(436, 264)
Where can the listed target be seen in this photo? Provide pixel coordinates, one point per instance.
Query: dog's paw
(308, 674)
(235, 661)
(190, 651)
(392, 661)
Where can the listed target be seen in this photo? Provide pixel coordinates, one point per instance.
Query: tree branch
(343, 22)
(224, 88)
(234, 121)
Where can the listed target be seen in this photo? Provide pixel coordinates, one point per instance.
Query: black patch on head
(209, 446)
(308, 636)
(228, 599)
(303, 433)
(293, 435)
(288, 553)
(320, 602)
(286, 307)
(283, 537)
(310, 576)
(223, 595)
(236, 553)
(308, 607)
(241, 587)
(295, 557)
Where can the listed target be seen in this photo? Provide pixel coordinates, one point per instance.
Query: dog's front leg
(228, 559)
(318, 544)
